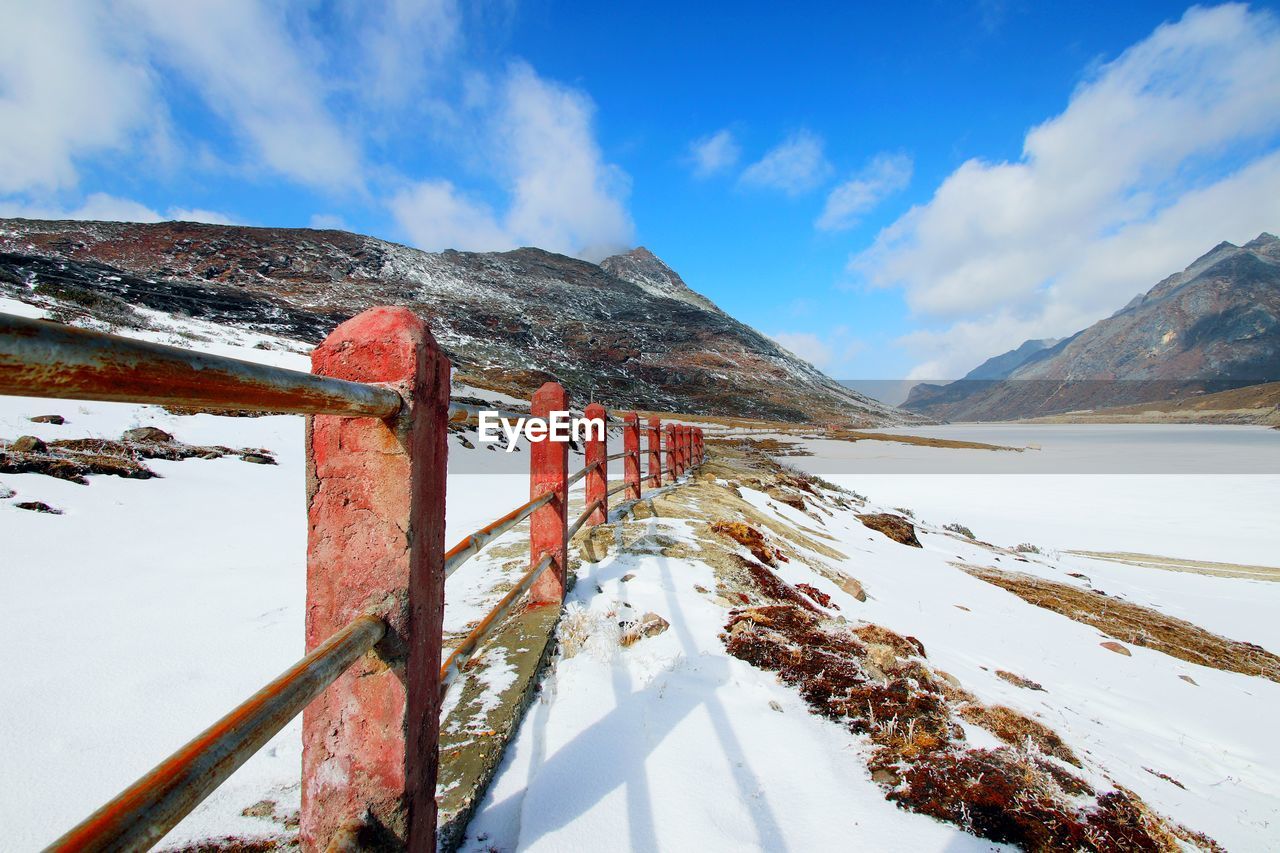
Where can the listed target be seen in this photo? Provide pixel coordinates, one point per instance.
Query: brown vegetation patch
(1018, 680)
(1017, 729)
(875, 683)
(74, 459)
(895, 527)
(1135, 624)
(752, 539)
(817, 595)
(920, 440)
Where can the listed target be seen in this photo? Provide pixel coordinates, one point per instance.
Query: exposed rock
(851, 586)
(1212, 327)
(1189, 680)
(75, 459)
(262, 808)
(628, 576)
(28, 444)
(146, 434)
(648, 625)
(58, 420)
(773, 703)
(1111, 646)
(38, 506)
(629, 327)
(895, 527)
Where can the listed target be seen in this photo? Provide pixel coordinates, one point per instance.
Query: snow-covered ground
(672, 744)
(150, 608)
(1189, 491)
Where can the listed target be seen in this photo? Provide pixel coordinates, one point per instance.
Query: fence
(370, 686)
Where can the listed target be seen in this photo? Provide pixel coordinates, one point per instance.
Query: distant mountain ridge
(1211, 327)
(629, 331)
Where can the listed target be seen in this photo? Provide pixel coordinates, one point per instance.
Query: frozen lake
(1187, 491)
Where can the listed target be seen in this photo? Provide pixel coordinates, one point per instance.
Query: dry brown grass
(876, 683)
(1134, 624)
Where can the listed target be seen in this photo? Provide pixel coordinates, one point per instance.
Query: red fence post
(682, 449)
(548, 471)
(655, 452)
(631, 463)
(375, 512)
(701, 448)
(671, 454)
(597, 482)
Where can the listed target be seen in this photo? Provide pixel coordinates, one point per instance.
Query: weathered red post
(596, 449)
(655, 452)
(548, 471)
(682, 448)
(375, 514)
(631, 462)
(671, 452)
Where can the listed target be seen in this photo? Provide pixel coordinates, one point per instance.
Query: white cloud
(794, 166)
(199, 214)
(253, 71)
(110, 208)
(806, 345)
(328, 221)
(436, 216)
(1156, 159)
(563, 196)
(713, 154)
(71, 85)
(832, 350)
(402, 43)
(846, 204)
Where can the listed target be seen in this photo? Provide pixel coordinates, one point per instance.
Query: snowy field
(1082, 486)
(675, 745)
(150, 608)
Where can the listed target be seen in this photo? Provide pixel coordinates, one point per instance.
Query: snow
(151, 608)
(673, 744)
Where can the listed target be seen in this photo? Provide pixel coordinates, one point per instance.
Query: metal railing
(44, 359)
(38, 358)
(146, 810)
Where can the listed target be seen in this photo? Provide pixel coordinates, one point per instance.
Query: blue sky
(890, 192)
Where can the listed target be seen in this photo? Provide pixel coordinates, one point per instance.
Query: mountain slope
(1212, 327)
(1000, 366)
(628, 332)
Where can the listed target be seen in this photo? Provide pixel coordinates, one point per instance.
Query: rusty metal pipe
(620, 455)
(582, 519)
(469, 547)
(43, 359)
(150, 807)
(463, 412)
(582, 473)
(467, 648)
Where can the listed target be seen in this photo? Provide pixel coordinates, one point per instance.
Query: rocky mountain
(1000, 366)
(629, 331)
(1212, 327)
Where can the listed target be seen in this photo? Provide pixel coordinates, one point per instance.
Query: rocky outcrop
(628, 332)
(1210, 328)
